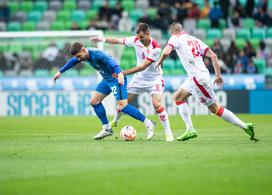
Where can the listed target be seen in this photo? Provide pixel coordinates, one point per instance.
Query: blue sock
(133, 112)
(101, 113)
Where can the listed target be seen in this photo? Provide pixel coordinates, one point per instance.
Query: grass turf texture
(56, 155)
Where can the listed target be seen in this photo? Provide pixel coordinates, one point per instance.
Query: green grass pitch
(57, 155)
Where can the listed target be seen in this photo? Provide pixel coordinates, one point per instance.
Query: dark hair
(142, 27)
(75, 48)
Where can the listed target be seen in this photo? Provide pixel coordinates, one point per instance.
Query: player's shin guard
(101, 114)
(230, 117)
(185, 114)
(163, 116)
(133, 112)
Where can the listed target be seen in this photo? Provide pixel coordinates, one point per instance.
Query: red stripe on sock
(202, 89)
(118, 110)
(160, 110)
(220, 111)
(181, 102)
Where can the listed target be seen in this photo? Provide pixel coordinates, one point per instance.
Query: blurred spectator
(116, 14)
(104, 12)
(26, 61)
(75, 26)
(206, 9)
(224, 68)
(261, 17)
(14, 62)
(145, 19)
(239, 8)
(180, 12)
(92, 25)
(251, 68)
(4, 12)
(235, 20)
(51, 52)
(232, 55)
(215, 14)
(194, 11)
(160, 23)
(225, 5)
(218, 48)
(103, 24)
(249, 50)
(42, 63)
(250, 4)
(243, 59)
(209, 65)
(238, 68)
(125, 23)
(3, 62)
(164, 11)
(263, 52)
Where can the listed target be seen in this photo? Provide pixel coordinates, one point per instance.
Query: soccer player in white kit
(191, 51)
(148, 78)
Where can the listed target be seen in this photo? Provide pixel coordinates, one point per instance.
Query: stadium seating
(214, 34)
(29, 26)
(243, 33)
(14, 26)
(41, 6)
(260, 63)
(26, 6)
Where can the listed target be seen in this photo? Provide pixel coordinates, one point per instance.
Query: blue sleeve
(73, 61)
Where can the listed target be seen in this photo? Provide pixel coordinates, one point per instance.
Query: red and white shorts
(200, 87)
(137, 87)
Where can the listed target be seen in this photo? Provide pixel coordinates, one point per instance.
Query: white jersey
(190, 51)
(152, 53)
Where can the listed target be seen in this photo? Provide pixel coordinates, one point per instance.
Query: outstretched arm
(218, 79)
(165, 53)
(139, 68)
(110, 40)
(73, 61)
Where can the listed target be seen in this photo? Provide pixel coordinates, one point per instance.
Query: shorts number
(114, 90)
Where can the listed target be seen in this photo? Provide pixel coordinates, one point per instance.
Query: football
(128, 133)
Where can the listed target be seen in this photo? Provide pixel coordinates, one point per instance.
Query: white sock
(185, 114)
(230, 117)
(163, 116)
(106, 126)
(117, 115)
(147, 122)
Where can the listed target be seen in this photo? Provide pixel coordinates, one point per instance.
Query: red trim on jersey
(136, 39)
(155, 44)
(151, 60)
(181, 102)
(220, 111)
(205, 51)
(160, 110)
(202, 89)
(171, 45)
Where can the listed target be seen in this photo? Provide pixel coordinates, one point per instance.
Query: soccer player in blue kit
(107, 67)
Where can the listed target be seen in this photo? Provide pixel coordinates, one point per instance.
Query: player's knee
(214, 108)
(121, 104)
(157, 105)
(94, 102)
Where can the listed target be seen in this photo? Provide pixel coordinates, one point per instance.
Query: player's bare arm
(110, 40)
(218, 78)
(121, 78)
(165, 53)
(143, 66)
(57, 76)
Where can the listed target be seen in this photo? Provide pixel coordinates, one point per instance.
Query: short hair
(142, 27)
(75, 48)
(176, 27)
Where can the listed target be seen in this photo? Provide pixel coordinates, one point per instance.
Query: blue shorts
(119, 91)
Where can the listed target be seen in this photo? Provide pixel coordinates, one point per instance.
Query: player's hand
(219, 81)
(158, 66)
(57, 76)
(114, 75)
(121, 79)
(97, 39)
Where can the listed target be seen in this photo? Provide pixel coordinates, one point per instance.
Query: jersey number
(113, 90)
(196, 51)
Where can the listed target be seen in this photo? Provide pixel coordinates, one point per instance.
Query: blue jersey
(99, 60)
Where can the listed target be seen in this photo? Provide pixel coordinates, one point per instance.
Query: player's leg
(230, 117)
(163, 115)
(180, 97)
(121, 96)
(119, 113)
(102, 90)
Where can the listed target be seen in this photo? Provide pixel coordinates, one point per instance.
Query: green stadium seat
(248, 23)
(112, 3)
(15, 48)
(41, 6)
(222, 24)
(41, 73)
(152, 12)
(260, 63)
(240, 43)
(258, 33)
(34, 16)
(97, 4)
(26, 6)
(243, 33)
(3, 47)
(269, 33)
(204, 24)
(214, 34)
(125, 63)
(83, 24)
(69, 6)
(29, 47)
(78, 15)
(209, 42)
(254, 42)
(68, 25)
(128, 5)
(29, 26)
(136, 14)
(14, 26)
(91, 14)
(64, 16)
(14, 6)
(71, 73)
(169, 64)
(268, 71)
(57, 25)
